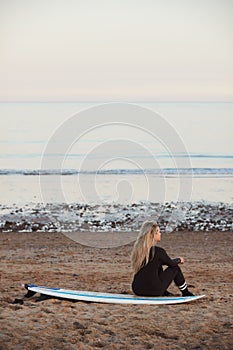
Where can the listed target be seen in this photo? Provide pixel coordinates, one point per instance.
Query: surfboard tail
(29, 293)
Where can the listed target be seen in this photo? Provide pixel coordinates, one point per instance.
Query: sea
(67, 159)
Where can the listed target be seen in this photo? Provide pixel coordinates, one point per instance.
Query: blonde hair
(143, 244)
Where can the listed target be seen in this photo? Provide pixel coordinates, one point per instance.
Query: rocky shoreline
(196, 216)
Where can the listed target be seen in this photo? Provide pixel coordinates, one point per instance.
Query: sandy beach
(54, 260)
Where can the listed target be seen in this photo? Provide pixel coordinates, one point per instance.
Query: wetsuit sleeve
(166, 260)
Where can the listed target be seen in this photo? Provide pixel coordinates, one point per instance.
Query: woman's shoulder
(155, 249)
(156, 252)
(159, 249)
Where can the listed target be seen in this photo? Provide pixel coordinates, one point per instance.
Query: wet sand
(54, 260)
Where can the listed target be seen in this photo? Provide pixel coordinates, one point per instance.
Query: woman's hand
(181, 259)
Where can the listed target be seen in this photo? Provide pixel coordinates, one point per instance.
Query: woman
(147, 260)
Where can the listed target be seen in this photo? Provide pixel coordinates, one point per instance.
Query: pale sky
(124, 50)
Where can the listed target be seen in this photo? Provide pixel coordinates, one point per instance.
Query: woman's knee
(175, 269)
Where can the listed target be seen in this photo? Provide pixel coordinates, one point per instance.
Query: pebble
(78, 325)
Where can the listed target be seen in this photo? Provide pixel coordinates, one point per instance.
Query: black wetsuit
(152, 280)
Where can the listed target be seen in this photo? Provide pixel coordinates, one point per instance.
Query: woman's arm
(166, 260)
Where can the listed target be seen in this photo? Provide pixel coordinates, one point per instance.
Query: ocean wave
(159, 172)
(83, 155)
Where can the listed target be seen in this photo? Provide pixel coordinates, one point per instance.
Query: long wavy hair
(141, 249)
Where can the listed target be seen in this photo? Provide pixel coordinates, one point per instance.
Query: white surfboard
(99, 297)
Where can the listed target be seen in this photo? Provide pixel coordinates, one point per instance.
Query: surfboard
(99, 297)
